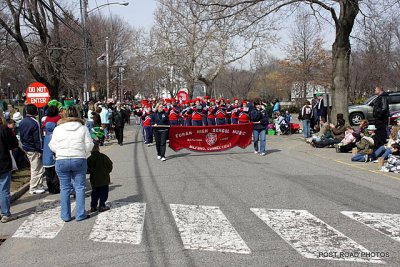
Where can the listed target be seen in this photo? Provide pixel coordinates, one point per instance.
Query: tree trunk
(341, 50)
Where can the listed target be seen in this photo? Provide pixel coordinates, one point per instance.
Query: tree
(342, 13)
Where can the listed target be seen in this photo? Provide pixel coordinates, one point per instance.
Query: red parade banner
(210, 138)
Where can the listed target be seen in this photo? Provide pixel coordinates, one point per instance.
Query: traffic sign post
(37, 94)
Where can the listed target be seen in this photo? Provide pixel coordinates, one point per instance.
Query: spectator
(8, 142)
(49, 161)
(322, 110)
(386, 150)
(381, 115)
(324, 132)
(31, 140)
(361, 130)
(365, 146)
(306, 114)
(99, 168)
(348, 142)
(159, 120)
(71, 142)
(337, 132)
(393, 162)
(119, 120)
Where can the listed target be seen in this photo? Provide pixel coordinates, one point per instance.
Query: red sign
(37, 94)
(210, 138)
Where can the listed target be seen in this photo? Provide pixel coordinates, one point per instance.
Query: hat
(206, 97)
(68, 103)
(235, 99)
(17, 116)
(167, 100)
(318, 94)
(54, 103)
(212, 100)
(227, 101)
(371, 128)
(244, 102)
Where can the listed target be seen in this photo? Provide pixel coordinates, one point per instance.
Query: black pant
(52, 181)
(101, 193)
(161, 141)
(347, 148)
(327, 142)
(381, 132)
(119, 134)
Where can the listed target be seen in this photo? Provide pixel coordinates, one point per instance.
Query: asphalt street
(297, 206)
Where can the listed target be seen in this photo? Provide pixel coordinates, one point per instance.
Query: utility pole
(107, 68)
(84, 16)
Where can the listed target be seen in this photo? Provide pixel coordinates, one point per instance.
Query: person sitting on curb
(337, 131)
(361, 130)
(365, 146)
(386, 150)
(393, 162)
(324, 132)
(348, 142)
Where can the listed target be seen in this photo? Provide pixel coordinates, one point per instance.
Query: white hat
(17, 116)
(371, 128)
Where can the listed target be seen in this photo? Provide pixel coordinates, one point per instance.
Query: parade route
(296, 206)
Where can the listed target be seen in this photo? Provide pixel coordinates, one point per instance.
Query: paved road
(297, 206)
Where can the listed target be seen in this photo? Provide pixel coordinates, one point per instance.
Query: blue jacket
(49, 159)
(29, 130)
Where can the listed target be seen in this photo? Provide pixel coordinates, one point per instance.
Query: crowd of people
(62, 144)
(369, 142)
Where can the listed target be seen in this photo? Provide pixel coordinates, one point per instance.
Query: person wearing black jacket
(260, 120)
(381, 115)
(8, 141)
(160, 123)
(119, 119)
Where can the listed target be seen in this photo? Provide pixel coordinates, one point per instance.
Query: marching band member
(146, 123)
(229, 109)
(234, 110)
(187, 117)
(197, 113)
(211, 109)
(243, 113)
(220, 114)
(173, 115)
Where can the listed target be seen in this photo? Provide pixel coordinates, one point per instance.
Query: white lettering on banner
(223, 147)
(238, 132)
(219, 130)
(179, 135)
(203, 131)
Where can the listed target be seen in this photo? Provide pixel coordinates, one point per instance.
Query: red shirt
(54, 119)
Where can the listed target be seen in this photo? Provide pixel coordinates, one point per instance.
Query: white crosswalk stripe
(44, 223)
(312, 237)
(207, 228)
(385, 223)
(123, 223)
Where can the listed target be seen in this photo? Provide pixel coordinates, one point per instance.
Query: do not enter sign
(37, 94)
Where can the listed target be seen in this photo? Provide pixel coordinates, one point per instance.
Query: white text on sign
(37, 89)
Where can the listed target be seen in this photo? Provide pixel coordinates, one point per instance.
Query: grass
(19, 178)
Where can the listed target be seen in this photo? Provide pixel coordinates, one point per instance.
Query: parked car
(394, 115)
(364, 111)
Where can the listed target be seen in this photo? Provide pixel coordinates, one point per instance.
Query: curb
(17, 194)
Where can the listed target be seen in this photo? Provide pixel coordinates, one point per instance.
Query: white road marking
(44, 223)
(385, 223)
(207, 228)
(123, 223)
(313, 238)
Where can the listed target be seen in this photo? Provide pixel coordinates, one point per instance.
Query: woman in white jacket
(72, 144)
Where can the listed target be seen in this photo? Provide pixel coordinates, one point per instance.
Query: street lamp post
(84, 17)
(107, 68)
(9, 92)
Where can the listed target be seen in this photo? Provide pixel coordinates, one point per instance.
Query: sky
(139, 13)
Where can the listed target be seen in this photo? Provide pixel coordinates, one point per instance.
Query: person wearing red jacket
(187, 116)
(243, 113)
(197, 113)
(211, 109)
(173, 115)
(220, 114)
(234, 108)
(147, 128)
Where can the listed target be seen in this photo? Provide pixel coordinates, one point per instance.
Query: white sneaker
(149, 144)
(158, 157)
(37, 191)
(163, 159)
(255, 152)
(263, 154)
(375, 161)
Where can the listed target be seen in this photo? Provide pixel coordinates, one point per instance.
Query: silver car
(364, 111)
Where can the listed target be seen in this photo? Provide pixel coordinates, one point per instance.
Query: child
(393, 163)
(99, 168)
(348, 142)
(49, 161)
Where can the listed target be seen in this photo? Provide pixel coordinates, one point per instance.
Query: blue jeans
(5, 182)
(72, 171)
(306, 128)
(259, 135)
(382, 151)
(358, 157)
(89, 125)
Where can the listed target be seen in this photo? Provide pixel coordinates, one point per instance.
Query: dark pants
(211, 121)
(228, 121)
(381, 132)
(197, 123)
(235, 120)
(99, 193)
(173, 123)
(119, 134)
(205, 122)
(220, 121)
(187, 122)
(161, 141)
(52, 181)
(327, 142)
(148, 134)
(347, 148)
